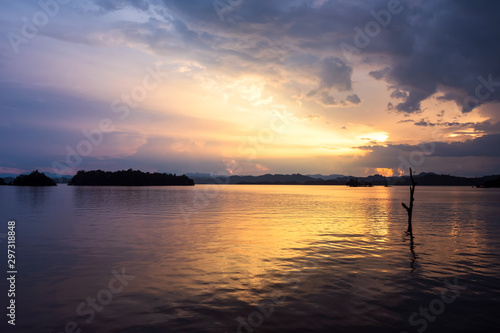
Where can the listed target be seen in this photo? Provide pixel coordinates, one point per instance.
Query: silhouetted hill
(326, 177)
(424, 178)
(8, 180)
(198, 175)
(492, 183)
(128, 178)
(353, 182)
(278, 179)
(270, 179)
(432, 179)
(2, 182)
(264, 179)
(62, 179)
(33, 179)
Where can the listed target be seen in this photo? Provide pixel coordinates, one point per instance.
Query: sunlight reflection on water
(314, 258)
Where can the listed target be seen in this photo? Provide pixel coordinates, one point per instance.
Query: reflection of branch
(409, 210)
(412, 250)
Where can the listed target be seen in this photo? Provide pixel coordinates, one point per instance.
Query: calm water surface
(253, 258)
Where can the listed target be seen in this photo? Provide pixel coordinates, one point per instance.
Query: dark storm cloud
(423, 122)
(457, 158)
(487, 127)
(484, 146)
(396, 93)
(426, 47)
(430, 46)
(452, 46)
(442, 46)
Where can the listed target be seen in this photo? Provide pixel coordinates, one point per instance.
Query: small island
(353, 182)
(128, 178)
(33, 179)
(495, 183)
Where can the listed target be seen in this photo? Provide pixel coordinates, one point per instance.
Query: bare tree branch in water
(410, 209)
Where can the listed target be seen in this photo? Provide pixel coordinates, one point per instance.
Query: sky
(250, 86)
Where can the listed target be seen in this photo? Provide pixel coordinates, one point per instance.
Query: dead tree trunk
(410, 209)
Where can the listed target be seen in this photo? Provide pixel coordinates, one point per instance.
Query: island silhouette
(138, 178)
(33, 179)
(423, 178)
(128, 178)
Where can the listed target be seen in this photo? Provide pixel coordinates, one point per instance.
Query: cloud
(168, 154)
(470, 158)
(431, 47)
(380, 73)
(336, 74)
(327, 100)
(396, 93)
(424, 123)
(482, 146)
(479, 147)
(444, 49)
(112, 5)
(354, 99)
(311, 117)
(484, 126)
(11, 171)
(448, 49)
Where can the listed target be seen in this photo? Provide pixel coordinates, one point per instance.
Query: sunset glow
(186, 91)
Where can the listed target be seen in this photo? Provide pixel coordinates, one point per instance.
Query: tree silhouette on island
(128, 178)
(492, 183)
(353, 182)
(33, 179)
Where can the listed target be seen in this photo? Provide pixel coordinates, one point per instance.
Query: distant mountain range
(424, 178)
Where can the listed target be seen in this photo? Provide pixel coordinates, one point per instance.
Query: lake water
(252, 258)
